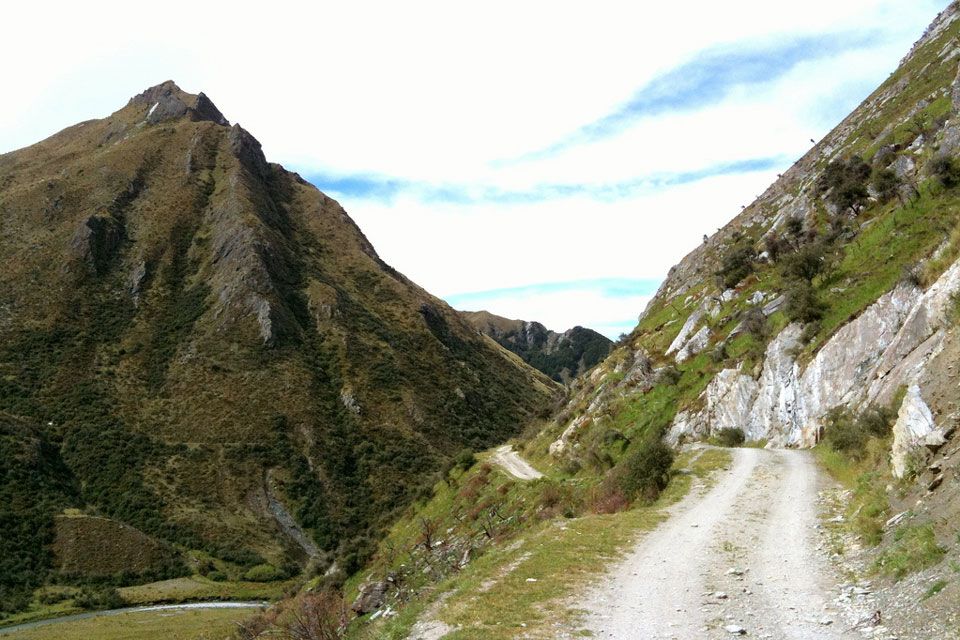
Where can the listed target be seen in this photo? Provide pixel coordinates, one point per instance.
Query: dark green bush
(849, 433)
(668, 376)
(99, 598)
(845, 182)
(646, 472)
(803, 305)
(737, 264)
(806, 264)
(754, 322)
(466, 459)
(775, 244)
(944, 169)
(264, 573)
(730, 437)
(887, 185)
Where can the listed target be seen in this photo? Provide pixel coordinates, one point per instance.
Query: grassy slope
(528, 573)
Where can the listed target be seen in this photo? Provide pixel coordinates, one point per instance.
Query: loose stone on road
(740, 558)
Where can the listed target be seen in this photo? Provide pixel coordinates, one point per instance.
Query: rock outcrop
(865, 361)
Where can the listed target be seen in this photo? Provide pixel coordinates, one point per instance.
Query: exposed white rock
(903, 166)
(686, 330)
(846, 363)
(733, 397)
(774, 305)
(776, 413)
(695, 345)
(786, 406)
(559, 446)
(927, 315)
(914, 423)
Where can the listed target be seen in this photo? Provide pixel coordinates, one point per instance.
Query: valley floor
(741, 557)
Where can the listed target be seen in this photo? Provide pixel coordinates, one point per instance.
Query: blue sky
(542, 160)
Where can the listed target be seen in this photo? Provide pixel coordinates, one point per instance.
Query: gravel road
(740, 558)
(516, 466)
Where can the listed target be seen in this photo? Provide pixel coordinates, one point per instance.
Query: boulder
(686, 330)
(372, 596)
(903, 166)
(914, 423)
(695, 345)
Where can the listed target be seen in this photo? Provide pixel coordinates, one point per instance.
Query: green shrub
(52, 597)
(887, 185)
(754, 322)
(465, 459)
(849, 434)
(217, 576)
(668, 376)
(944, 169)
(803, 304)
(100, 598)
(730, 437)
(806, 264)
(264, 573)
(646, 472)
(842, 433)
(737, 264)
(845, 182)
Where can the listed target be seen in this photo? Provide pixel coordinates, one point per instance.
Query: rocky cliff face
(865, 325)
(178, 314)
(562, 356)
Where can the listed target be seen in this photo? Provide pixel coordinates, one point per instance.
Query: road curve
(740, 555)
(516, 466)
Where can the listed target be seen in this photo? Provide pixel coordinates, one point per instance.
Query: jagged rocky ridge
(562, 356)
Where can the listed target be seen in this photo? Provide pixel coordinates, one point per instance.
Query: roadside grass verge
(914, 549)
(867, 480)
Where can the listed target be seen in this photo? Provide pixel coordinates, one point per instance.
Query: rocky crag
(562, 356)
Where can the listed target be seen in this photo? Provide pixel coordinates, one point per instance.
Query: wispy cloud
(709, 77)
(386, 189)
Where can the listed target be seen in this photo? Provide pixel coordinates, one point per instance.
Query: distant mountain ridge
(562, 356)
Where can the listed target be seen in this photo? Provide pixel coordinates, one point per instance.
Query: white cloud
(439, 91)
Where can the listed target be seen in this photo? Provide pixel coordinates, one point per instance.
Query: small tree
(737, 264)
(846, 183)
(803, 305)
(806, 264)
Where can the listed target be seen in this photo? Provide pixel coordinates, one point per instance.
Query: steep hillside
(179, 316)
(562, 356)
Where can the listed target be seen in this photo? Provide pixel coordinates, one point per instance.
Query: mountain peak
(167, 101)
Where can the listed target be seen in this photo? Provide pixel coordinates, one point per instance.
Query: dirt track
(742, 554)
(516, 466)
